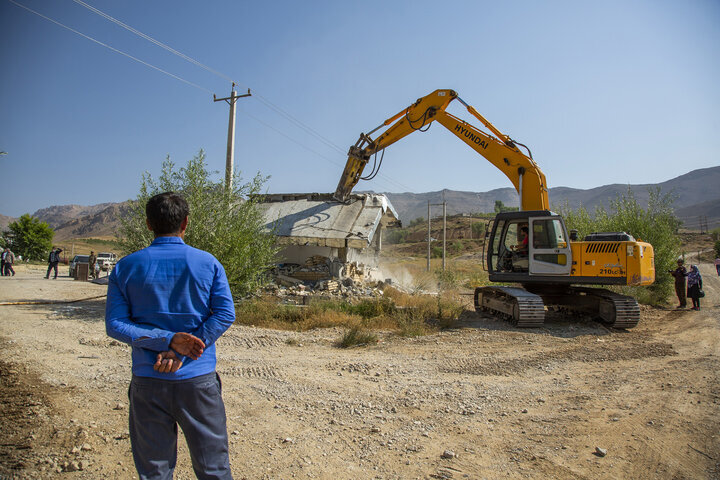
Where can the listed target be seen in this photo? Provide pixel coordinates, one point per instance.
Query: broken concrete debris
(327, 247)
(290, 290)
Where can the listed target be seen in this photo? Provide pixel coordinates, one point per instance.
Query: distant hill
(692, 189)
(705, 214)
(5, 221)
(102, 223)
(697, 203)
(57, 215)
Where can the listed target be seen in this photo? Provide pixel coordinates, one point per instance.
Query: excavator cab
(527, 247)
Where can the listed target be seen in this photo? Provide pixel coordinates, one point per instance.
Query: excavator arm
(498, 148)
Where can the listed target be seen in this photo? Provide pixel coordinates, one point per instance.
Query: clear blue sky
(602, 92)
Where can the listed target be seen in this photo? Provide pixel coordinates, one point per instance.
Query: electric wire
(152, 40)
(168, 48)
(279, 132)
(263, 100)
(298, 123)
(111, 48)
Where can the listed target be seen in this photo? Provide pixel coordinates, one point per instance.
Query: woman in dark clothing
(694, 283)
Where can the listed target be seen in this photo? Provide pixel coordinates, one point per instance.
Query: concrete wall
(300, 253)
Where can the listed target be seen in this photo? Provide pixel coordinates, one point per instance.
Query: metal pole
(428, 238)
(444, 229)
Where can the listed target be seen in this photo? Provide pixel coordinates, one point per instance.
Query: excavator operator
(522, 247)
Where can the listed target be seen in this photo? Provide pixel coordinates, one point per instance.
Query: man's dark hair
(165, 212)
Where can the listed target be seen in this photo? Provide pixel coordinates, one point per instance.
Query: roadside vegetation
(397, 312)
(224, 223)
(655, 224)
(28, 238)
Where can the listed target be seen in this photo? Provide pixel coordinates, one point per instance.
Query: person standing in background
(694, 286)
(53, 261)
(717, 265)
(680, 273)
(9, 258)
(92, 262)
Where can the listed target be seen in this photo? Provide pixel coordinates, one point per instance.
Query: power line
(111, 48)
(266, 102)
(164, 46)
(279, 132)
(298, 123)
(152, 40)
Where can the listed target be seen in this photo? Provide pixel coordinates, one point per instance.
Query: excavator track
(524, 309)
(616, 310)
(527, 310)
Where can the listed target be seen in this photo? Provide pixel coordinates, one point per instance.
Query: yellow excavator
(530, 247)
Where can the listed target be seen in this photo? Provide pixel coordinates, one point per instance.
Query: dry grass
(357, 337)
(403, 314)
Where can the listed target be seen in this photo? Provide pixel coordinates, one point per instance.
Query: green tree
(393, 236)
(717, 248)
(500, 207)
(227, 224)
(29, 237)
(655, 224)
(478, 229)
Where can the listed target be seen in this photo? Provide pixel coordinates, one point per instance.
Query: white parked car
(106, 261)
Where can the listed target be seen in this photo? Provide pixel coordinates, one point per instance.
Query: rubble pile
(316, 280)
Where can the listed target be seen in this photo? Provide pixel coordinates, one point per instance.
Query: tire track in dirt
(250, 342)
(263, 371)
(582, 353)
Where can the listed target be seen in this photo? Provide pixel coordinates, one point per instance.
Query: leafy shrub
(28, 237)
(395, 236)
(478, 229)
(656, 225)
(225, 223)
(446, 279)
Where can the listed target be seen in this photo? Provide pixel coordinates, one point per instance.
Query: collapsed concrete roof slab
(318, 219)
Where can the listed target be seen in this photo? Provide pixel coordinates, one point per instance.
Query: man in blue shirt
(171, 302)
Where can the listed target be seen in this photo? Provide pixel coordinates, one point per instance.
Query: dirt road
(482, 401)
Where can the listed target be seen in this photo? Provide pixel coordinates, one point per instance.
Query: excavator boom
(530, 247)
(498, 148)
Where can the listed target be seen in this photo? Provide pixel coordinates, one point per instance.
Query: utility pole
(428, 238)
(444, 205)
(229, 159)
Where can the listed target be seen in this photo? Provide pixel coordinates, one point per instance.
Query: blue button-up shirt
(163, 289)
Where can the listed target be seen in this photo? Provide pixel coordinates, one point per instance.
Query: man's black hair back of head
(165, 213)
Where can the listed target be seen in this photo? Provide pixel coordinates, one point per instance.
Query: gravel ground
(485, 400)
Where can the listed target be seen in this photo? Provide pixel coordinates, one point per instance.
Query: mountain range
(695, 194)
(697, 204)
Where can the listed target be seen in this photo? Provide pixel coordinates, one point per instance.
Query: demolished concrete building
(321, 238)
